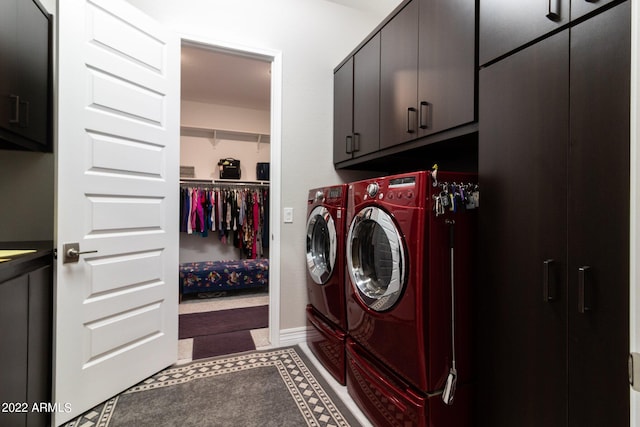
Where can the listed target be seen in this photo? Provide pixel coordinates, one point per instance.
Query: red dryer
(326, 311)
(401, 232)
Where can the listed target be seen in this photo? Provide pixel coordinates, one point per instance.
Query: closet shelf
(223, 182)
(224, 134)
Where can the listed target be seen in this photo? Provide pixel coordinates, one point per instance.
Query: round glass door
(376, 258)
(321, 245)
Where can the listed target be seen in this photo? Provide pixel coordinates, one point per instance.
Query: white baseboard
(294, 336)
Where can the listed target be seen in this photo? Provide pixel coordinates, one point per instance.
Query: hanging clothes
(236, 216)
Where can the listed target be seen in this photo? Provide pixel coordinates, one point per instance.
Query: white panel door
(116, 309)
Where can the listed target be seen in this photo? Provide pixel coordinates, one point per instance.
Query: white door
(116, 309)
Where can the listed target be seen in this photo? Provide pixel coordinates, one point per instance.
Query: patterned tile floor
(240, 300)
(260, 337)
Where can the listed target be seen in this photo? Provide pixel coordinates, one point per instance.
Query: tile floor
(260, 338)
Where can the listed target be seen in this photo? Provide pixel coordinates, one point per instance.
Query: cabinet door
(33, 71)
(366, 98)
(398, 77)
(13, 348)
(446, 72)
(523, 134)
(582, 7)
(343, 112)
(507, 25)
(40, 328)
(599, 220)
(8, 42)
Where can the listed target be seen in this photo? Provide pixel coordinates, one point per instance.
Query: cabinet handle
(425, 115)
(16, 109)
(584, 293)
(25, 117)
(356, 142)
(410, 123)
(554, 10)
(349, 144)
(548, 294)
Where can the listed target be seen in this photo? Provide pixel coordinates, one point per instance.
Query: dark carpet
(278, 388)
(218, 322)
(219, 344)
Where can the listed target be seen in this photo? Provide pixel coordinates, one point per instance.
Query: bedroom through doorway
(225, 197)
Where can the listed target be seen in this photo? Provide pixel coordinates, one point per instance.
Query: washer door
(376, 258)
(321, 244)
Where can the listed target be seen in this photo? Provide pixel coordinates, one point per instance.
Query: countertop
(20, 264)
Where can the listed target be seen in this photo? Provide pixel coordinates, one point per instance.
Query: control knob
(372, 189)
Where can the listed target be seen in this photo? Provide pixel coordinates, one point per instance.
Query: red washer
(399, 281)
(326, 311)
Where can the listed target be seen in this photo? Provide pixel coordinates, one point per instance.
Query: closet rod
(224, 182)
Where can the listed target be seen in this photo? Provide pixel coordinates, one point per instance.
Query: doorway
(227, 99)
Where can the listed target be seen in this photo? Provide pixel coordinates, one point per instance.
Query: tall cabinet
(553, 292)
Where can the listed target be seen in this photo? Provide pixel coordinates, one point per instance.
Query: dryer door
(376, 258)
(321, 244)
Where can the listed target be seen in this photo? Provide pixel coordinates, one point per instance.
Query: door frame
(634, 226)
(275, 168)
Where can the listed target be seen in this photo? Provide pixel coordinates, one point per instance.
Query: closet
(222, 117)
(224, 223)
(236, 213)
(553, 304)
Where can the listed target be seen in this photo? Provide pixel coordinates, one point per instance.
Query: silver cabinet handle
(554, 10)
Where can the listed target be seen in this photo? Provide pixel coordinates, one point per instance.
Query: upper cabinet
(446, 64)
(509, 25)
(25, 76)
(414, 77)
(343, 112)
(398, 77)
(582, 7)
(356, 98)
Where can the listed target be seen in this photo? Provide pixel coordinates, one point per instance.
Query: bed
(217, 276)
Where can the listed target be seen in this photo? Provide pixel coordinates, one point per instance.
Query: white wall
(313, 36)
(26, 191)
(203, 151)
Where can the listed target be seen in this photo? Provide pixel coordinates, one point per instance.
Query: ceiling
(232, 79)
(225, 78)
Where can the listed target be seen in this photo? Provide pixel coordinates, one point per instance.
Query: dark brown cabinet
(507, 25)
(366, 98)
(427, 78)
(25, 353)
(399, 77)
(343, 112)
(14, 334)
(446, 65)
(25, 76)
(598, 265)
(413, 78)
(523, 137)
(553, 304)
(582, 7)
(356, 98)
